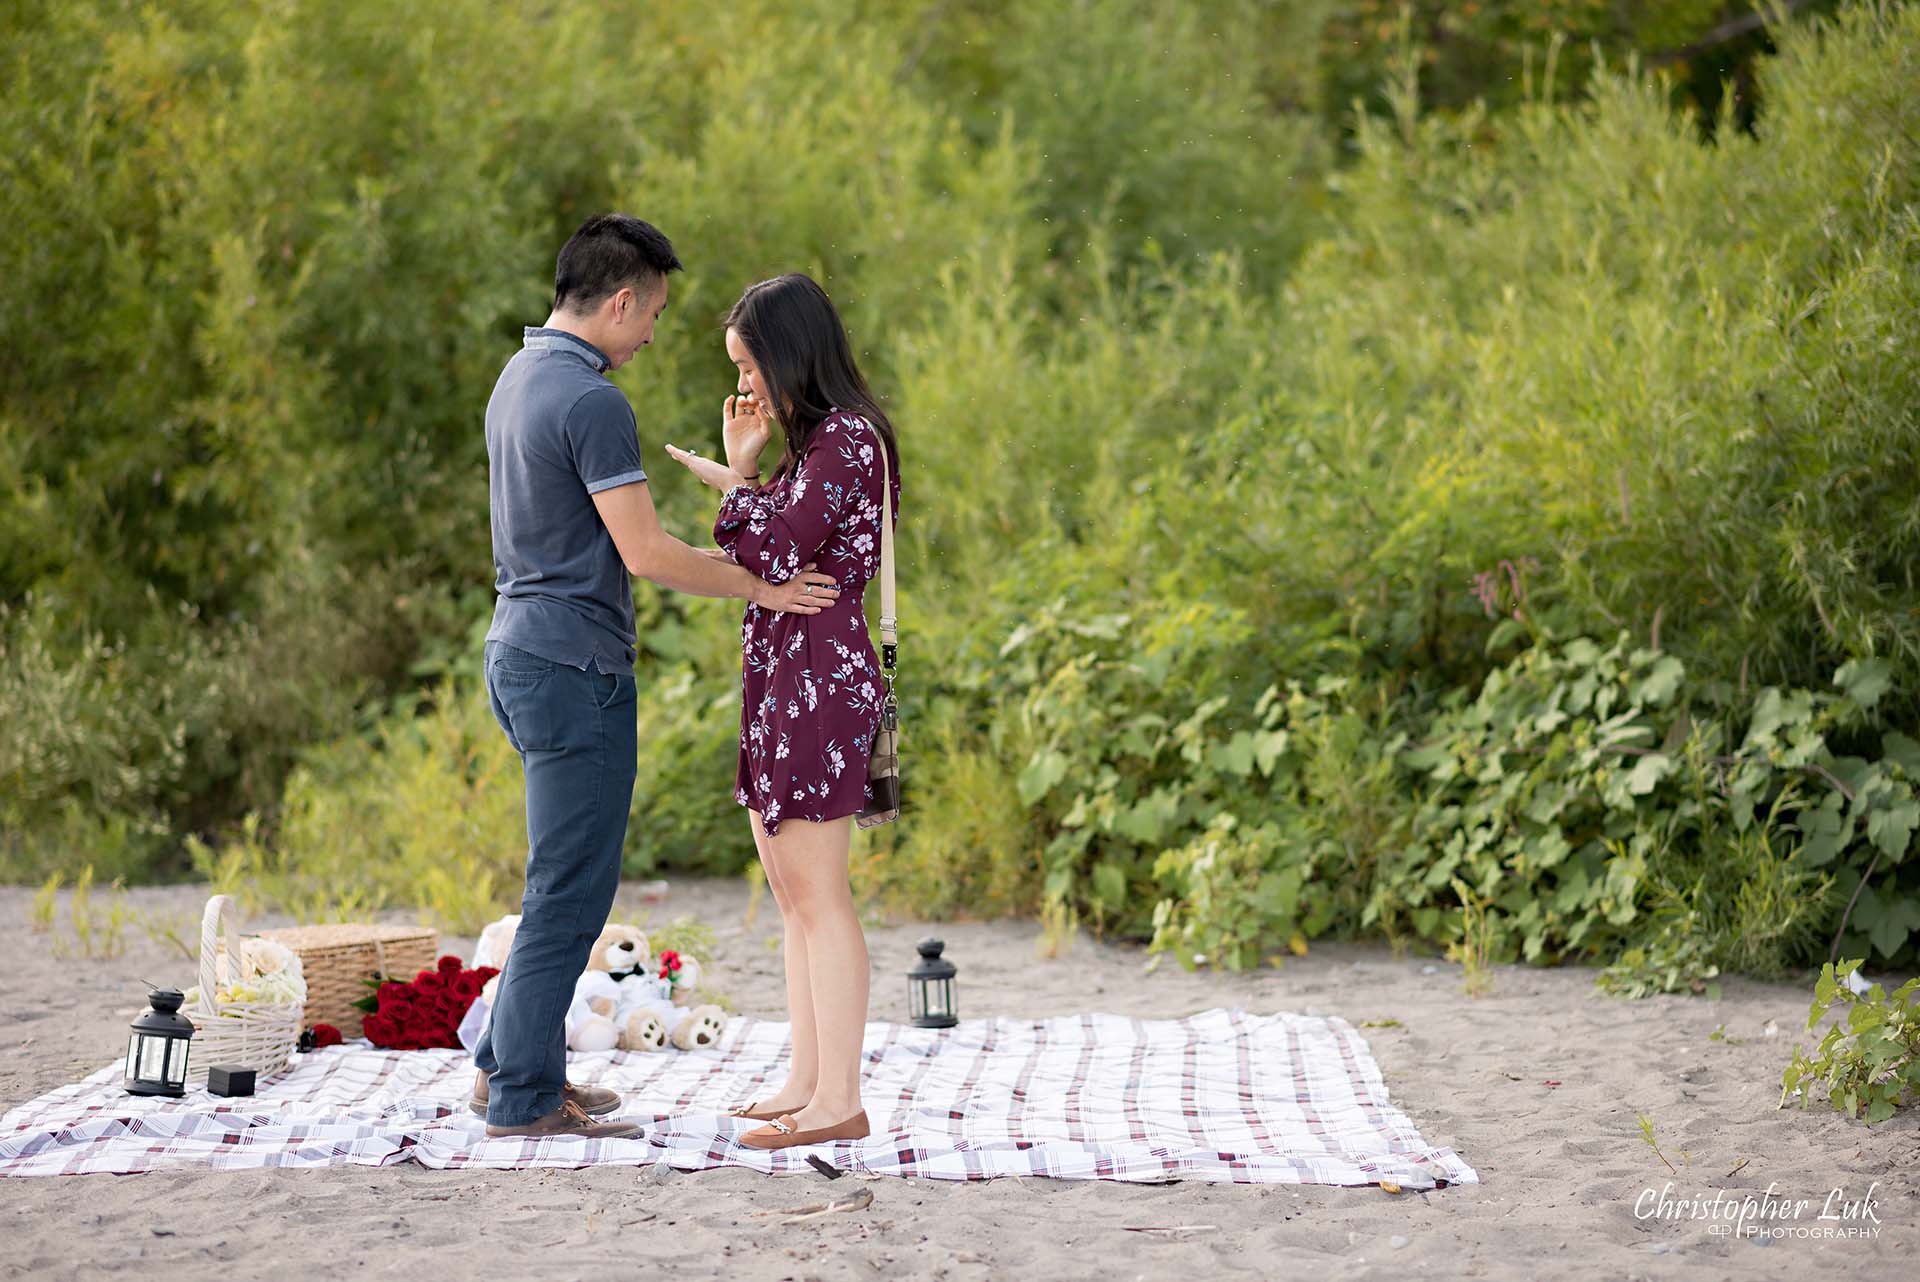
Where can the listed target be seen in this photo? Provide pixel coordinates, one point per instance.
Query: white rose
(283, 988)
(273, 970)
(266, 957)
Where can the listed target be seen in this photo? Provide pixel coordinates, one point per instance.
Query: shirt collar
(541, 338)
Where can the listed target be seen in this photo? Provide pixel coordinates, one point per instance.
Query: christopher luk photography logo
(1768, 1215)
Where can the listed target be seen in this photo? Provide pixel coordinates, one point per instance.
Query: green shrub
(1869, 1060)
(1681, 377)
(684, 817)
(1584, 789)
(963, 846)
(1229, 894)
(1169, 132)
(426, 811)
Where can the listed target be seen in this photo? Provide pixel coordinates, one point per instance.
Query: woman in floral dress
(811, 686)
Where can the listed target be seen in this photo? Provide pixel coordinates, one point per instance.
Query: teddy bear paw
(701, 1028)
(594, 1033)
(645, 1031)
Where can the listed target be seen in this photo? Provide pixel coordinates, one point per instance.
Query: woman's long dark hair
(797, 340)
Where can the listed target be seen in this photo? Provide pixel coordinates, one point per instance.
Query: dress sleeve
(774, 542)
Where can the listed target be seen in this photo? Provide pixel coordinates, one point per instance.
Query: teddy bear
(615, 990)
(624, 999)
(495, 941)
(630, 1002)
(619, 951)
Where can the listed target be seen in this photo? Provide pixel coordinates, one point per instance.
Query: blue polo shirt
(558, 433)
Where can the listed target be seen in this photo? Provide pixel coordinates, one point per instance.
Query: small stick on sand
(858, 1200)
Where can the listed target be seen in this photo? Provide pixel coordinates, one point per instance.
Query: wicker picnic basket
(256, 1035)
(338, 960)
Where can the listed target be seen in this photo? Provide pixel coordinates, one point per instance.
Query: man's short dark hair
(610, 252)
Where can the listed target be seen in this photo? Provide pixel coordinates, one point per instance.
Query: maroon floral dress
(810, 683)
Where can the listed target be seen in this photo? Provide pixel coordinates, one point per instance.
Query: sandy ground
(1563, 1164)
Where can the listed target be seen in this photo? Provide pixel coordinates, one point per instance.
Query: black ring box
(229, 1079)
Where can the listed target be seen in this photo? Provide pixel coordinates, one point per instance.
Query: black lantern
(157, 1051)
(930, 988)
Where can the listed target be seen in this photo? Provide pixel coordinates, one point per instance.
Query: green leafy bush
(424, 811)
(1586, 802)
(1583, 787)
(1869, 1060)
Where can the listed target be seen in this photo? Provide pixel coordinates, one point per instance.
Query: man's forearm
(672, 564)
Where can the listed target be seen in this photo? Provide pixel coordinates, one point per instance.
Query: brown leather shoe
(784, 1134)
(595, 1101)
(568, 1119)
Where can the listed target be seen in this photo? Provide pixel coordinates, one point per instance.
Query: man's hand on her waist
(807, 592)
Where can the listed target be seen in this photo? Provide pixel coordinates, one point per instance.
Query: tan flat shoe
(754, 1112)
(784, 1133)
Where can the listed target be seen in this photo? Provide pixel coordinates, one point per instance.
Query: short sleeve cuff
(609, 482)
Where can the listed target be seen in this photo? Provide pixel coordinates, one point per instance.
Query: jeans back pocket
(514, 666)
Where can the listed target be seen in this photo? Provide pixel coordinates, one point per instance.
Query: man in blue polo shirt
(572, 520)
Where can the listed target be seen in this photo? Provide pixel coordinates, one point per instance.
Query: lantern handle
(216, 923)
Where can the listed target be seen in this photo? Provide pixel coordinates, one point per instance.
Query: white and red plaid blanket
(1222, 1096)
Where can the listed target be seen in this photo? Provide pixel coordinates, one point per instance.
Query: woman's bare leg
(803, 1067)
(812, 859)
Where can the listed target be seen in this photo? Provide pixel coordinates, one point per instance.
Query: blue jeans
(574, 730)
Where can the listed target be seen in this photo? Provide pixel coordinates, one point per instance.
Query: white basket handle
(216, 923)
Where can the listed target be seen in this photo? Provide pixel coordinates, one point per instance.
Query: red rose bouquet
(425, 1012)
(671, 965)
(680, 971)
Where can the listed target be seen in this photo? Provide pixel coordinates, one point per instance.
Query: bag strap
(889, 624)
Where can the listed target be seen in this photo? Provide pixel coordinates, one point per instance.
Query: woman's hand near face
(745, 428)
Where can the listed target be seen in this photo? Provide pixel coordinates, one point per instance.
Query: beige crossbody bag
(883, 767)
